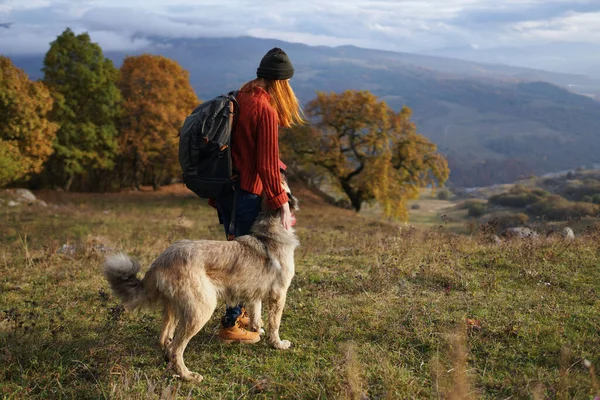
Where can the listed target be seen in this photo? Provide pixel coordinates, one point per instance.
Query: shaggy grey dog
(191, 276)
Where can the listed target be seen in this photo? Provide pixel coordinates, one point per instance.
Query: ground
(377, 309)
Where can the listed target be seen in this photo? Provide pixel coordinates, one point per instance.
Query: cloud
(567, 28)
(404, 25)
(501, 13)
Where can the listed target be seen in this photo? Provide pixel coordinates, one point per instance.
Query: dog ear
(294, 206)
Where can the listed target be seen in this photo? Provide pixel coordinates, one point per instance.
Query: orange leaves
(157, 96)
(372, 152)
(26, 135)
(473, 324)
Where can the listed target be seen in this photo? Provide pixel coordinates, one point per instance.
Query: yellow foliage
(26, 135)
(373, 152)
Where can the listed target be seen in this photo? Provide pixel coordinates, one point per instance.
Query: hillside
(495, 123)
(390, 311)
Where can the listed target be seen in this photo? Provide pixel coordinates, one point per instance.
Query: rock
(521, 233)
(13, 203)
(68, 249)
(568, 234)
(42, 203)
(25, 195)
(565, 233)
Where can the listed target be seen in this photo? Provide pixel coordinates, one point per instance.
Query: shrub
(465, 205)
(476, 210)
(443, 195)
(519, 197)
(539, 192)
(514, 200)
(557, 208)
(501, 220)
(578, 190)
(587, 199)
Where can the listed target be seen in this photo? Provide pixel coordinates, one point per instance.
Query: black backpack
(205, 146)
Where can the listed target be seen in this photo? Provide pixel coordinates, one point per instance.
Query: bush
(587, 199)
(415, 206)
(557, 208)
(502, 220)
(443, 195)
(578, 190)
(465, 205)
(515, 200)
(519, 197)
(539, 192)
(476, 210)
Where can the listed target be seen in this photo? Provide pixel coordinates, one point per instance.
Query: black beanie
(275, 65)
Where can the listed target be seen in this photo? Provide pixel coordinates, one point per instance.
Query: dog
(191, 276)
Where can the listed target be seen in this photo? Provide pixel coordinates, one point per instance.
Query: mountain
(495, 123)
(583, 58)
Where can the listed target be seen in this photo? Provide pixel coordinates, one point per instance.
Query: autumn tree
(83, 84)
(157, 96)
(369, 151)
(26, 135)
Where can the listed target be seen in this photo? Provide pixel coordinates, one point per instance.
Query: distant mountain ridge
(495, 123)
(557, 56)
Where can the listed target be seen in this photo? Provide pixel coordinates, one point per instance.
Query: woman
(265, 104)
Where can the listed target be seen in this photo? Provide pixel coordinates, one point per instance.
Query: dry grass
(376, 310)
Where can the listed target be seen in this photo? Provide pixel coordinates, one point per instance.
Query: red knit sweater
(255, 148)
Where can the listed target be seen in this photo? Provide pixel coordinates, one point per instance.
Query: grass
(376, 310)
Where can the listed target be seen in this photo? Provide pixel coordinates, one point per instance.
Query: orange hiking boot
(244, 319)
(237, 334)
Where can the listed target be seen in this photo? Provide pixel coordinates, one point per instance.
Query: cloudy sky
(27, 26)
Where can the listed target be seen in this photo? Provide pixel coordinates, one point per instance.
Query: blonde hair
(282, 99)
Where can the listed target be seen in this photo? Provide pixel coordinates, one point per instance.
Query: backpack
(205, 147)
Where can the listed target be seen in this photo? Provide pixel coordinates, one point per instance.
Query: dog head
(292, 200)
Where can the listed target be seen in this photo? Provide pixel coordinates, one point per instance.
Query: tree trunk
(69, 183)
(136, 181)
(155, 179)
(355, 196)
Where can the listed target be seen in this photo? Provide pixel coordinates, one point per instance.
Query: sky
(28, 26)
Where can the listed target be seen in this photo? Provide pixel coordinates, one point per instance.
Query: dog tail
(121, 273)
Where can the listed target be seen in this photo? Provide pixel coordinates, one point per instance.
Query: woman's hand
(286, 216)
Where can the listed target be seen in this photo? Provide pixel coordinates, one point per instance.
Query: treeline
(89, 126)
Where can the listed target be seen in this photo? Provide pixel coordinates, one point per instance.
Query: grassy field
(377, 310)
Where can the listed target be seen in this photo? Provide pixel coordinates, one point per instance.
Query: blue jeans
(247, 209)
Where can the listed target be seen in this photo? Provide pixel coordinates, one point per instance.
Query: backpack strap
(232, 220)
(234, 108)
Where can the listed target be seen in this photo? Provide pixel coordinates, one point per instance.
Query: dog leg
(276, 304)
(168, 326)
(191, 320)
(255, 311)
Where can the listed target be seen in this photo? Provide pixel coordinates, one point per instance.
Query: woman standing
(265, 104)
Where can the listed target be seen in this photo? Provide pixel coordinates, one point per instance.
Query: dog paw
(193, 377)
(282, 344)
